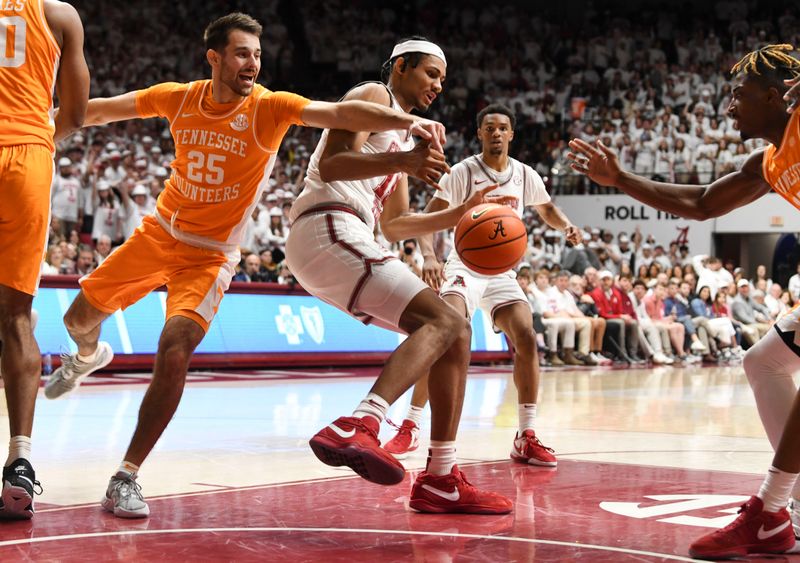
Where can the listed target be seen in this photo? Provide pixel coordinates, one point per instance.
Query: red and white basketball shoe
(353, 442)
(528, 449)
(405, 441)
(453, 493)
(753, 531)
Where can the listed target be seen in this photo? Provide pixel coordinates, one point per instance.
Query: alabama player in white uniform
(333, 253)
(518, 186)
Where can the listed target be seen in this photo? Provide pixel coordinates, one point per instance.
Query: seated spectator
(677, 304)
(654, 304)
(656, 334)
(285, 276)
(524, 281)
(586, 306)
(53, 264)
(621, 328)
(251, 272)
(102, 249)
(722, 310)
(268, 271)
(561, 301)
(710, 272)
(84, 264)
(754, 317)
(719, 327)
(773, 301)
(556, 323)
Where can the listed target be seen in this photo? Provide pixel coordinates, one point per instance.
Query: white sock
(441, 457)
(128, 467)
(415, 414)
(18, 447)
(88, 359)
(776, 488)
(527, 416)
(373, 405)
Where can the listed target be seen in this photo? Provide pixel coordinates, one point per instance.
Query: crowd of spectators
(637, 77)
(676, 308)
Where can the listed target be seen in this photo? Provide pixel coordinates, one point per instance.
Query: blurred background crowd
(656, 90)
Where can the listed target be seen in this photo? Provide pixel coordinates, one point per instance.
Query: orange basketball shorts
(26, 173)
(196, 278)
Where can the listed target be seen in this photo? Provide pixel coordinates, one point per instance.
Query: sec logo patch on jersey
(240, 122)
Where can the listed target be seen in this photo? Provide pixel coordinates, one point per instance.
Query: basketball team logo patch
(459, 280)
(240, 122)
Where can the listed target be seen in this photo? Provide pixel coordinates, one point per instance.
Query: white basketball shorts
(334, 256)
(490, 293)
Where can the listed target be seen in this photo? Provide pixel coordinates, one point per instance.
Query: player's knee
(524, 343)
(754, 364)
(451, 325)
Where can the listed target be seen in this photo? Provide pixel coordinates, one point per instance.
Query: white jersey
(67, 198)
(365, 196)
(519, 186)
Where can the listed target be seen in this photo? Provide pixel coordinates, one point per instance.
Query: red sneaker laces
(360, 424)
(538, 442)
(401, 429)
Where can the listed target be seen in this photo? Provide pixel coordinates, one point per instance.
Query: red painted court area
(560, 515)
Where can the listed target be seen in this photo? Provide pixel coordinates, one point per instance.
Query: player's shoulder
(375, 92)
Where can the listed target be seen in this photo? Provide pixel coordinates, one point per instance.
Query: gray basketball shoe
(68, 377)
(124, 497)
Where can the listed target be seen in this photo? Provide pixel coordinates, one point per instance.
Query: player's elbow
(327, 170)
(390, 233)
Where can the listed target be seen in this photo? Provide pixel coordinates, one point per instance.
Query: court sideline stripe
(344, 531)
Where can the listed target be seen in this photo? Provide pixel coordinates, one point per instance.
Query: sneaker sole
(108, 506)
(533, 461)
(17, 504)
(78, 380)
(744, 551)
(421, 505)
(366, 463)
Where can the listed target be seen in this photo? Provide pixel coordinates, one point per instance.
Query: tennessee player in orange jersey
(759, 110)
(227, 131)
(41, 47)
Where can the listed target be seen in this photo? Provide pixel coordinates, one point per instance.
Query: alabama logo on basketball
(240, 122)
(498, 230)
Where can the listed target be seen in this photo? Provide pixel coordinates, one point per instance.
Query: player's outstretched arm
(360, 115)
(342, 158)
(699, 202)
(108, 110)
(398, 223)
(72, 83)
(556, 218)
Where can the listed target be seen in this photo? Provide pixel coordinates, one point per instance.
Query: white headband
(417, 46)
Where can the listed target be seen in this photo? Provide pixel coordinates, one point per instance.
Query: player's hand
(598, 162)
(792, 95)
(479, 197)
(426, 163)
(431, 131)
(433, 273)
(573, 234)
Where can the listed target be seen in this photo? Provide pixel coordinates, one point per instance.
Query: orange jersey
(29, 56)
(781, 167)
(224, 154)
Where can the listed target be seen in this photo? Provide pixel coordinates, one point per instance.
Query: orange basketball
(490, 239)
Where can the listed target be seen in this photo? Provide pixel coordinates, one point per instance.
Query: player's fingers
(488, 189)
(607, 151)
(579, 168)
(583, 147)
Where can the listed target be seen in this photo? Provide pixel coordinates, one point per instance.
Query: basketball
(490, 239)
